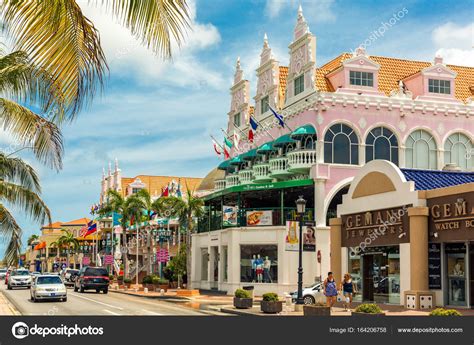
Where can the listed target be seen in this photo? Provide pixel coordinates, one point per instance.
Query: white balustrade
(246, 176)
(301, 160)
(261, 172)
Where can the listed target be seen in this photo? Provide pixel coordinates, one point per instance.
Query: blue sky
(156, 116)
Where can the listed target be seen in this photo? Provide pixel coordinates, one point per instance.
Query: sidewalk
(6, 308)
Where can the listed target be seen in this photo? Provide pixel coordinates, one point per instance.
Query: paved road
(92, 303)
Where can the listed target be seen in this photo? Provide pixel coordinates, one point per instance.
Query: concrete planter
(158, 287)
(243, 303)
(273, 307)
(316, 310)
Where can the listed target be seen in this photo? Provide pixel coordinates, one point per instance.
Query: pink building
(351, 110)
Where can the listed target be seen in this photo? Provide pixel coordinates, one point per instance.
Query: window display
(456, 255)
(258, 264)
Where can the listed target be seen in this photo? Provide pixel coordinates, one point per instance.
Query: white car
(19, 278)
(311, 294)
(48, 287)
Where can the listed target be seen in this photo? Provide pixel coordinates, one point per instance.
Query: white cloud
(455, 43)
(127, 56)
(320, 10)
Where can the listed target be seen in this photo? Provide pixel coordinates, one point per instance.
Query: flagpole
(264, 128)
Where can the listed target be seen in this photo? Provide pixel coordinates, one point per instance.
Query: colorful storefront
(406, 236)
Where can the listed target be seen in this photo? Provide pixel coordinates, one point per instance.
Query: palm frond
(15, 170)
(59, 39)
(26, 200)
(156, 23)
(10, 230)
(32, 130)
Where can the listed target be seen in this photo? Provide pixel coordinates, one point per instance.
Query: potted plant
(148, 282)
(317, 309)
(270, 303)
(242, 299)
(127, 282)
(445, 312)
(120, 280)
(160, 283)
(368, 309)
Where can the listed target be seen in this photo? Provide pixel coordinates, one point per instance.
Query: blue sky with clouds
(156, 116)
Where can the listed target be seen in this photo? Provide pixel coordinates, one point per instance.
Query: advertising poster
(229, 216)
(259, 218)
(292, 237)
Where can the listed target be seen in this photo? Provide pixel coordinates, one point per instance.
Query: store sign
(229, 217)
(259, 218)
(452, 217)
(434, 266)
(375, 228)
(292, 236)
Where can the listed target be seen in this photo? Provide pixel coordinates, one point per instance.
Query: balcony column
(322, 231)
(319, 201)
(320, 151)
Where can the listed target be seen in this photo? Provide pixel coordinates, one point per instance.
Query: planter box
(367, 314)
(150, 287)
(243, 303)
(158, 287)
(313, 310)
(271, 307)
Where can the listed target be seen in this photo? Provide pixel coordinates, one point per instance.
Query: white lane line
(151, 312)
(111, 312)
(93, 300)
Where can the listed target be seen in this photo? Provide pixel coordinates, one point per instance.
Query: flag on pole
(236, 139)
(216, 147)
(165, 191)
(226, 153)
(250, 137)
(253, 123)
(91, 228)
(228, 142)
(178, 192)
(278, 117)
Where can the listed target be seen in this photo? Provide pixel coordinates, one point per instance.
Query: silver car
(19, 278)
(311, 294)
(48, 287)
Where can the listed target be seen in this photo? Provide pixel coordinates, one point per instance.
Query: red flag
(226, 153)
(216, 148)
(250, 135)
(165, 191)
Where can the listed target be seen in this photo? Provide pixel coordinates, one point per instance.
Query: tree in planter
(271, 303)
(242, 299)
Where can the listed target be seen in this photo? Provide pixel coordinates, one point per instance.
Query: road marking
(111, 312)
(151, 312)
(93, 300)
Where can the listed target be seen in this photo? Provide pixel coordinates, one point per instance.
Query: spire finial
(237, 66)
(116, 164)
(110, 168)
(265, 40)
(300, 11)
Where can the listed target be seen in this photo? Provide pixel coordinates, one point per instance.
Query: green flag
(228, 142)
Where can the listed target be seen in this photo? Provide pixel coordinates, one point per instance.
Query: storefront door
(368, 277)
(471, 272)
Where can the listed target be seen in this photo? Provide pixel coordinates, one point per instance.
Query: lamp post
(300, 209)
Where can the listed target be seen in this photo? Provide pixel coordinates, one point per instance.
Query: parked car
(92, 278)
(69, 276)
(48, 287)
(35, 274)
(311, 294)
(3, 273)
(19, 278)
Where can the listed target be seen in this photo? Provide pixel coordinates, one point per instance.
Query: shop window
(456, 269)
(421, 151)
(204, 264)
(259, 263)
(459, 149)
(299, 84)
(381, 143)
(341, 145)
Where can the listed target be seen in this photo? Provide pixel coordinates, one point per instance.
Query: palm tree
(62, 41)
(116, 203)
(186, 209)
(68, 240)
(32, 239)
(20, 188)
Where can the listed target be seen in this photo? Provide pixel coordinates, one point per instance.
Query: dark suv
(92, 278)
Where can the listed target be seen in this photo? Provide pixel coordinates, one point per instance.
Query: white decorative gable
(267, 79)
(240, 95)
(302, 60)
(136, 184)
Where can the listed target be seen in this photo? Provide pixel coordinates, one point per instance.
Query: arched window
(459, 149)
(421, 151)
(309, 143)
(341, 145)
(381, 143)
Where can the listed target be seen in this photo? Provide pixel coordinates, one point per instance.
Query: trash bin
(249, 289)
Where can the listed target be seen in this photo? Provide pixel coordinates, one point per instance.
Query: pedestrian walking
(330, 290)
(348, 288)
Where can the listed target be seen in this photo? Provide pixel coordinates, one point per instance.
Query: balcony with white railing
(279, 167)
(232, 180)
(219, 184)
(246, 176)
(300, 161)
(261, 172)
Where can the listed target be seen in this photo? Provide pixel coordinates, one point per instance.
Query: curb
(240, 313)
(165, 298)
(11, 305)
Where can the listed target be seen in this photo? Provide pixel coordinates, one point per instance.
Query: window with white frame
(381, 143)
(341, 145)
(361, 78)
(299, 84)
(439, 86)
(421, 150)
(264, 105)
(459, 149)
(237, 120)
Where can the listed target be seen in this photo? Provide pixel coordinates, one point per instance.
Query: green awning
(224, 165)
(249, 155)
(235, 161)
(283, 140)
(299, 132)
(265, 148)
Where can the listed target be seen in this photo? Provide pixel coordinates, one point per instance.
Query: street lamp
(300, 209)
